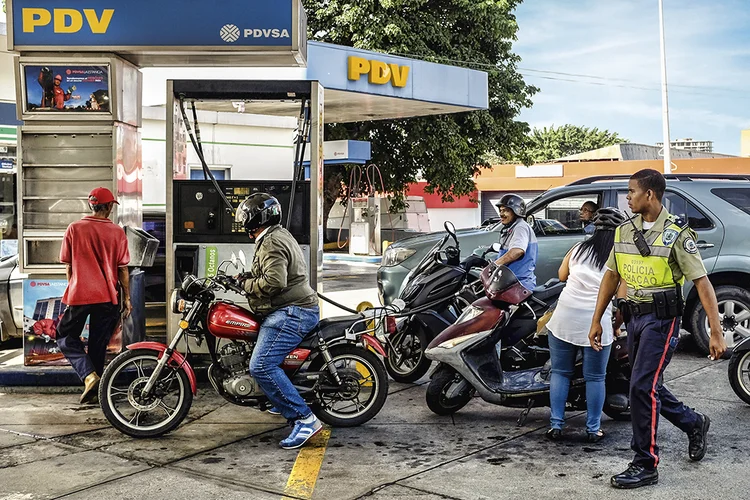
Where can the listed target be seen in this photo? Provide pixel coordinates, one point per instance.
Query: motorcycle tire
(399, 373)
(736, 364)
(442, 379)
(380, 379)
(107, 392)
(615, 414)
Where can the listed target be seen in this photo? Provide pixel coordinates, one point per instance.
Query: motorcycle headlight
(469, 313)
(450, 344)
(396, 255)
(177, 304)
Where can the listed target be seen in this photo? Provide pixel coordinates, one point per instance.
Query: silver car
(717, 208)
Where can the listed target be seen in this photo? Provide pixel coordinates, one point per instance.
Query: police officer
(653, 254)
(518, 244)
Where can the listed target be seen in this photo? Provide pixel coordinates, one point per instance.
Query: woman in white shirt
(583, 268)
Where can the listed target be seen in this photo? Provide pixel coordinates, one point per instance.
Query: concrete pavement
(50, 447)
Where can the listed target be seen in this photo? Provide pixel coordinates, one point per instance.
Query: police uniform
(652, 334)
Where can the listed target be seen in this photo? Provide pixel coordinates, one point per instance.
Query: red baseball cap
(101, 196)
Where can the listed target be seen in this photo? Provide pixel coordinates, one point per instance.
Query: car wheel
(734, 313)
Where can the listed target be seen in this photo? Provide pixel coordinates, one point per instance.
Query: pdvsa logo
(230, 33)
(66, 20)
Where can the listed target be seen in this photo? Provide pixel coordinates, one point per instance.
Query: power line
(603, 80)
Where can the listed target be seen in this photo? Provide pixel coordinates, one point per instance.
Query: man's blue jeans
(280, 333)
(563, 355)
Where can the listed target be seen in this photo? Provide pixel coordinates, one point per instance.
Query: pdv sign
(120, 24)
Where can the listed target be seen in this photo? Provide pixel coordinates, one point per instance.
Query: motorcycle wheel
(133, 415)
(413, 364)
(441, 381)
(362, 376)
(615, 414)
(739, 375)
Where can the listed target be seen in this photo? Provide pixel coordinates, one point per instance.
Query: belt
(641, 308)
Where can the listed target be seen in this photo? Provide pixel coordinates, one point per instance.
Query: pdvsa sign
(148, 26)
(379, 73)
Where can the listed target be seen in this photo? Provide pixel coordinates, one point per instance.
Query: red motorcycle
(147, 390)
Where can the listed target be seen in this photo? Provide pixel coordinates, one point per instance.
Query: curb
(374, 259)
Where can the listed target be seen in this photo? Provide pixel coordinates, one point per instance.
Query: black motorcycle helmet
(608, 218)
(258, 210)
(515, 203)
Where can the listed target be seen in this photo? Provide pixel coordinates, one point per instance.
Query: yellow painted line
(304, 475)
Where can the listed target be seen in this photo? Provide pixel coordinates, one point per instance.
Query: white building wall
(261, 148)
(460, 217)
(7, 73)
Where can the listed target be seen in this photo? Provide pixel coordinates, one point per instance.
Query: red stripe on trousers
(654, 415)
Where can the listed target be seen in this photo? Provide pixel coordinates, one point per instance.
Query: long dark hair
(596, 249)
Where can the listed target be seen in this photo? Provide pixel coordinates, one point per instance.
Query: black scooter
(432, 298)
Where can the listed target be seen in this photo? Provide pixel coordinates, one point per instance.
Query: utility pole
(664, 97)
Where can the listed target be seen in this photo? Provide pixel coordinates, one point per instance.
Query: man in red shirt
(95, 251)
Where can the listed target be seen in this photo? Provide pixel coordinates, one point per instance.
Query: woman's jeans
(280, 333)
(563, 355)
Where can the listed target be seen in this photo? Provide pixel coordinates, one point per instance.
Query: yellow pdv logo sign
(66, 20)
(379, 73)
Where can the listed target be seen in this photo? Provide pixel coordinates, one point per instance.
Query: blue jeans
(280, 333)
(563, 355)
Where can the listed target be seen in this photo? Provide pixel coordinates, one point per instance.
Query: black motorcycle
(739, 370)
(432, 298)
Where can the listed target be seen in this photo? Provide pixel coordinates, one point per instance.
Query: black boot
(698, 445)
(635, 477)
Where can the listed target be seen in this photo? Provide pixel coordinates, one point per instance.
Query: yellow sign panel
(379, 73)
(66, 20)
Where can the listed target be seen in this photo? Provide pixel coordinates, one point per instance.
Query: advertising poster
(67, 88)
(42, 310)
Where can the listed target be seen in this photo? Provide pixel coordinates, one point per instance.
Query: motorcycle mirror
(243, 260)
(399, 304)
(496, 247)
(233, 259)
(450, 229)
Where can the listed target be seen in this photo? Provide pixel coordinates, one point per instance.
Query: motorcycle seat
(545, 292)
(332, 327)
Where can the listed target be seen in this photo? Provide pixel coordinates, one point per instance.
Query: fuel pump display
(202, 217)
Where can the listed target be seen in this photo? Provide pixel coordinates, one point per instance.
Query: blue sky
(617, 42)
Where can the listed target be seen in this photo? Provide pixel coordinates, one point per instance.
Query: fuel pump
(201, 230)
(364, 229)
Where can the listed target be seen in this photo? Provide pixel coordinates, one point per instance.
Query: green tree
(553, 143)
(447, 150)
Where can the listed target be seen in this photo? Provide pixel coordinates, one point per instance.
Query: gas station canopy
(359, 85)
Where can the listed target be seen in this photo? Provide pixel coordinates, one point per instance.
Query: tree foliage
(552, 143)
(446, 150)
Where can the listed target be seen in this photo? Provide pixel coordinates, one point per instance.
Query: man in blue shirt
(518, 244)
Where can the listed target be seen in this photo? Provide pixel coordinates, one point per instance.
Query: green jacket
(278, 274)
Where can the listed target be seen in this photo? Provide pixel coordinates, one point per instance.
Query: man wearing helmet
(518, 244)
(278, 290)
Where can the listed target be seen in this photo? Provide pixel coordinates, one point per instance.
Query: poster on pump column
(67, 88)
(43, 309)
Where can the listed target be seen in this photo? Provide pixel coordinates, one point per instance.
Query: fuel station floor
(51, 447)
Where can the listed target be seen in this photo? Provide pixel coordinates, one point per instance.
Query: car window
(676, 205)
(739, 197)
(563, 215)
